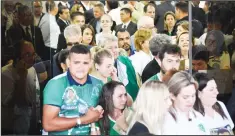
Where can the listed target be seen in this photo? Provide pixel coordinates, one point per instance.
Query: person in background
(63, 60)
(214, 112)
(155, 45)
(114, 11)
(200, 58)
(88, 35)
(182, 119)
(148, 115)
(64, 17)
(219, 56)
(142, 55)
(77, 8)
(77, 18)
(149, 10)
(127, 24)
(114, 100)
(98, 11)
(124, 41)
(136, 8)
(145, 22)
(70, 111)
(169, 57)
(38, 14)
(106, 23)
(169, 23)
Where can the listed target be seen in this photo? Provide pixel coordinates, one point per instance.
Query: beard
(126, 47)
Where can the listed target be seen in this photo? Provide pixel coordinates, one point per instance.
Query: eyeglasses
(28, 54)
(72, 43)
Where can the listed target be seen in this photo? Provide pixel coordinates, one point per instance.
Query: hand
(21, 68)
(92, 115)
(100, 109)
(114, 74)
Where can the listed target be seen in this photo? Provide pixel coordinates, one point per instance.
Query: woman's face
(208, 95)
(119, 97)
(106, 67)
(87, 36)
(106, 22)
(184, 42)
(145, 45)
(170, 21)
(185, 100)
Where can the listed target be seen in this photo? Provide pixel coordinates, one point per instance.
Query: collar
(87, 7)
(63, 20)
(73, 82)
(126, 24)
(24, 27)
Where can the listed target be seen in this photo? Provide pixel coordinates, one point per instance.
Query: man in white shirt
(38, 14)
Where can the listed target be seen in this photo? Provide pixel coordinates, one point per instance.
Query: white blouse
(139, 60)
(184, 126)
(217, 125)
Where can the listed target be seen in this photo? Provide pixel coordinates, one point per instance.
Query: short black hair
(183, 6)
(126, 10)
(149, 4)
(50, 5)
(121, 30)
(169, 49)
(61, 8)
(21, 9)
(113, 4)
(74, 14)
(63, 55)
(79, 49)
(200, 52)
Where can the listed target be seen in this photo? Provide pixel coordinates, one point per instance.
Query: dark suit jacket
(88, 13)
(61, 43)
(16, 33)
(131, 28)
(61, 24)
(199, 14)
(152, 68)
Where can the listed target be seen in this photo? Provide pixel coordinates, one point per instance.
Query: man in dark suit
(63, 20)
(127, 24)
(98, 12)
(25, 30)
(198, 13)
(88, 11)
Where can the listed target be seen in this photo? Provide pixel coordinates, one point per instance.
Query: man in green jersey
(169, 57)
(70, 98)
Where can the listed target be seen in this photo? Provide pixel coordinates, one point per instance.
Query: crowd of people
(117, 67)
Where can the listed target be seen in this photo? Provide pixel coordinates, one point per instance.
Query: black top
(152, 68)
(138, 129)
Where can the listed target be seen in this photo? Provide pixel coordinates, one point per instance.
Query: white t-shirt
(218, 125)
(184, 126)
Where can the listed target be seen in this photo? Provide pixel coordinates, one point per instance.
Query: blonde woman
(148, 113)
(143, 55)
(182, 119)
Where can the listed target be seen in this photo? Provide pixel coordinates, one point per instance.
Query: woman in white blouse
(106, 23)
(181, 118)
(143, 55)
(215, 114)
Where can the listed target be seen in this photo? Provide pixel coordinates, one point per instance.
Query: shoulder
(58, 80)
(154, 77)
(138, 128)
(95, 80)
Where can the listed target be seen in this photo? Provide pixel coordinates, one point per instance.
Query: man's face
(177, 13)
(9, 6)
(28, 54)
(71, 40)
(150, 12)
(124, 16)
(113, 48)
(37, 8)
(199, 65)
(79, 65)
(26, 18)
(65, 14)
(97, 12)
(80, 20)
(170, 61)
(124, 40)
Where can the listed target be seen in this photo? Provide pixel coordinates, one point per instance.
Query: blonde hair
(149, 107)
(141, 36)
(93, 51)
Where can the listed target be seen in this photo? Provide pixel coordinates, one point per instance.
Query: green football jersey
(73, 99)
